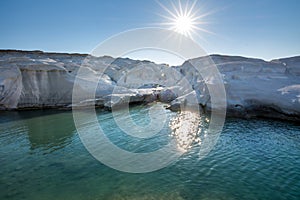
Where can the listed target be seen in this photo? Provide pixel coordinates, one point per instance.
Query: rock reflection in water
(50, 131)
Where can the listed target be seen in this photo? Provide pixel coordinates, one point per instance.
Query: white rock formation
(253, 87)
(44, 80)
(10, 86)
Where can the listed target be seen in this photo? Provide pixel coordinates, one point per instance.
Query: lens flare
(184, 18)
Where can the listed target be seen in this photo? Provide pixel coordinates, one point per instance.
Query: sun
(183, 25)
(183, 18)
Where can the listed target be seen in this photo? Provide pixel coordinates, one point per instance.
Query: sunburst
(184, 19)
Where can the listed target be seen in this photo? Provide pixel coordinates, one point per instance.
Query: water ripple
(253, 159)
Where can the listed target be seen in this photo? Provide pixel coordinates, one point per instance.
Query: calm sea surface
(42, 157)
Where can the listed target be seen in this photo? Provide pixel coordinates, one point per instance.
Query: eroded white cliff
(253, 87)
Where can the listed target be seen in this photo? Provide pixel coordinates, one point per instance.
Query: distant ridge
(41, 52)
(232, 57)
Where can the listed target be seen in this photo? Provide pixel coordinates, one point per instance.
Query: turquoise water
(42, 157)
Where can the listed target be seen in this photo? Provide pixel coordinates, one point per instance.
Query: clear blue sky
(256, 28)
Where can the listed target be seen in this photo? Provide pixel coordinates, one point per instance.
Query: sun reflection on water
(186, 129)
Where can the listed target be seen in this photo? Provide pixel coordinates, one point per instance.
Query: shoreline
(32, 80)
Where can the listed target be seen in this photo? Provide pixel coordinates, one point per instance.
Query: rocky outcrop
(33, 79)
(254, 87)
(10, 82)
